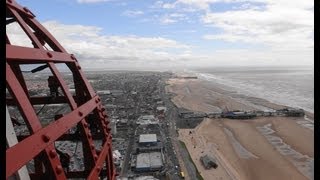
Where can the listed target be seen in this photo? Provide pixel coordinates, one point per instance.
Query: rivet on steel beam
(59, 169)
(80, 113)
(92, 146)
(53, 153)
(33, 16)
(49, 55)
(98, 168)
(45, 138)
(25, 9)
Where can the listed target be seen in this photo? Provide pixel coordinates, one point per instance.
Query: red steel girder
(27, 55)
(36, 100)
(39, 145)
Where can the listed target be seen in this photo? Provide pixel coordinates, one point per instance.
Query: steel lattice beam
(39, 145)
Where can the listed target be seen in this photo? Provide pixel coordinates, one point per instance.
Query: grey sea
(290, 86)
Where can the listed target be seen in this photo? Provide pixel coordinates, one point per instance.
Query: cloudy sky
(169, 34)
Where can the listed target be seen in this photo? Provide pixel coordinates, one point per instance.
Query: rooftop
(147, 119)
(151, 160)
(147, 138)
(145, 178)
(161, 108)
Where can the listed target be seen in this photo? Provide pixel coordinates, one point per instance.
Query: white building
(149, 161)
(147, 139)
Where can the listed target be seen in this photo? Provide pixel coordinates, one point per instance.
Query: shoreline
(222, 138)
(239, 101)
(241, 90)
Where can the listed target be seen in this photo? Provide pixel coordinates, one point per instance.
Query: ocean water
(290, 86)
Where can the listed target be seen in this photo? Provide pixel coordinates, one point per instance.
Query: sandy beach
(262, 148)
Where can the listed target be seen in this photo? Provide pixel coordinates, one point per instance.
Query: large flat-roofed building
(145, 139)
(149, 161)
(145, 178)
(147, 119)
(161, 109)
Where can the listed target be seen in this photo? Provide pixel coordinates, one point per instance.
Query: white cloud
(263, 57)
(91, 1)
(96, 50)
(167, 20)
(248, 6)
(192, 4)
(122, 4)
(280, 25)
(201, 4)
(284, 27)
(173, 18)
(131, 13)
(168, 6)
(287, 24)
(177, 15)
(17, 36)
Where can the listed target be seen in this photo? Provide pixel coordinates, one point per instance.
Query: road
(180, 152)
(174, 153)
(125, 167)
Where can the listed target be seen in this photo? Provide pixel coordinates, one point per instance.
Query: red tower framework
(85, 105)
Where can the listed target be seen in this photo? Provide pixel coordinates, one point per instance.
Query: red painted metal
(35, 55)
(39, 145)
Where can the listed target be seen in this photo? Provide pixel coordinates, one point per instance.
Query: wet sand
(263, 148)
